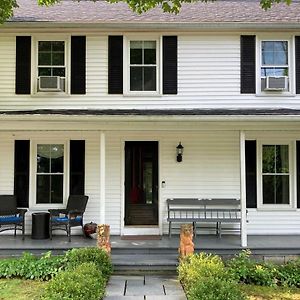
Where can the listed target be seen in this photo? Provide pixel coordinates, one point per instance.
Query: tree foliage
(139, 6)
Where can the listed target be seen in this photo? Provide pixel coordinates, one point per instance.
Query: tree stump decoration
(103, 235)
(186, 246)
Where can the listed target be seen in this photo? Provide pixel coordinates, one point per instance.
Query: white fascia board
(177, 26)
(152, 118)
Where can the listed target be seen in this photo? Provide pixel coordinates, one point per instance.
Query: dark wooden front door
(141, 183)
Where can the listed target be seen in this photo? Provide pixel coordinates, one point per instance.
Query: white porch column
(243, 190)
(102, 177)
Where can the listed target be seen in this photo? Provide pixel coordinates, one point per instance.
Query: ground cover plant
(21, 289)
(79, 274)
(206, 276)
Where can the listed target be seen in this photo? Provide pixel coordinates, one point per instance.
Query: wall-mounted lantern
(179, 152)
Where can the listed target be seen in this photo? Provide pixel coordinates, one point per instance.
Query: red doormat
(141, 237)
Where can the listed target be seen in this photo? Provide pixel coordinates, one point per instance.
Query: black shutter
(170, 65)
(115, 64)
(78, 65)
(21, 178)
(77, 167)
(251, 185)
(23, 65)
(298, 172)
(248, 65)
(297, 57)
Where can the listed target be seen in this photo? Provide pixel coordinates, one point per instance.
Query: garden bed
(79, 274)
(207, 277)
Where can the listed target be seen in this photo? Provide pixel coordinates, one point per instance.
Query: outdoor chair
(72, 216)
(11, 217)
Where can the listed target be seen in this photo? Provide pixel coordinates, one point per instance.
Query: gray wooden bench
(193, 210)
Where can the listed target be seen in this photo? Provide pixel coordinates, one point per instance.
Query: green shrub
(243, 269)
(198, 266)
(239, 267)
(289, 274)
(85, 282)
(212, 288)
(101, 259)
(32, 267)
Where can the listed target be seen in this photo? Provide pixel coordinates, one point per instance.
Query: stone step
(145, 262)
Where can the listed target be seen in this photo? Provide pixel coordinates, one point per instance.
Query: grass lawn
(267, 293)
(20, 289)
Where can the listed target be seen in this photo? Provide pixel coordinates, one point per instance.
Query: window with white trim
(143, 66)
(275, 175)
(274, 66)
(51, 66)
(50, 170)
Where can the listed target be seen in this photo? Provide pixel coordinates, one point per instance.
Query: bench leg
(194, 229)
(170, 229)
(220, 229)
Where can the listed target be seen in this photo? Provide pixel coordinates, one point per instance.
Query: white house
(95, 99)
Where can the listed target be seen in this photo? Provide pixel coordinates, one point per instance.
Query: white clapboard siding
(208, 77)
(7, 67)
(273, 222)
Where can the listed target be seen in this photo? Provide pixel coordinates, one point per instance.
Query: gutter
(104, 26)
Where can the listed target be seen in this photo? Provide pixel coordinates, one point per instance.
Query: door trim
(140, 230)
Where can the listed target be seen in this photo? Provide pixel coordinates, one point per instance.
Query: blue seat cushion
(10, 219)
(65, 219)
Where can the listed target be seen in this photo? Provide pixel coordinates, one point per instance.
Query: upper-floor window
(143, 68)
(51, 66)
(274, 66)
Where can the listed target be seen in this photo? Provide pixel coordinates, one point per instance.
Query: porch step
(145, 262)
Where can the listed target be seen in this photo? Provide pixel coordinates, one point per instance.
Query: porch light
(179, 151)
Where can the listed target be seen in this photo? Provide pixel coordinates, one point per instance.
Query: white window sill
(275, 208)
(275, 94)
(142, 94)
(45, 207)
(50, 95)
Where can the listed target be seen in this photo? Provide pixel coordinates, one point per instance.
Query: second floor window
(274, 66)
(51, 65)
(143, 66)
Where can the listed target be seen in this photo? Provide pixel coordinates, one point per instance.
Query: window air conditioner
(49, 84)
(276, 83)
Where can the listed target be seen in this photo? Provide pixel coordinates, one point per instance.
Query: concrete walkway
(144, 287)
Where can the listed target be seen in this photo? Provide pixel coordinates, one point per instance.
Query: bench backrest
(184, 202)
(8, 204)
(223, 202)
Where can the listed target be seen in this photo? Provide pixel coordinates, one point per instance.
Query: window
(274, 67)
(275, 174)
(50, 173)
(143, 68)
(51, 65)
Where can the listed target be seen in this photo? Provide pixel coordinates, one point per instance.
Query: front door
(141, 183)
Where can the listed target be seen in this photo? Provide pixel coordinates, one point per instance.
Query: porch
(160, 254)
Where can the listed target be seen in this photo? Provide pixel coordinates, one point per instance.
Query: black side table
(40, 225)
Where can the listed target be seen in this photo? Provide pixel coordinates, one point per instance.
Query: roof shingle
(221, 11)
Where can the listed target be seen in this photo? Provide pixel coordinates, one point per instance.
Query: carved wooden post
(186, 246)
(103, 233)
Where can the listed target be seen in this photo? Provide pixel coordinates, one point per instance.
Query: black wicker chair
(65, 219)
(11, 217)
